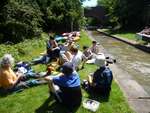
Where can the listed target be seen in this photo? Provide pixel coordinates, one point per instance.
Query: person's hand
(20, 75)
(48, 78)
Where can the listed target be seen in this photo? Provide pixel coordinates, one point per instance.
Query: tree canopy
(127, 13)
(20, 19)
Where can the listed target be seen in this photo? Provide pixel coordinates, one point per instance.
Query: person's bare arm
(55, 45)
(14, 82)
(50, 78)
(90, 79)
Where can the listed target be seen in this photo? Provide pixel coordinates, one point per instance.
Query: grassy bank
(34, 100)
(131, 35)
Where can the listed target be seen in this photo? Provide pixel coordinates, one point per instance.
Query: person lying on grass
(9, 80)
(66, 86)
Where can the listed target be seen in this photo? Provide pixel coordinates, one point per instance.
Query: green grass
(35, 100)
(131, 35)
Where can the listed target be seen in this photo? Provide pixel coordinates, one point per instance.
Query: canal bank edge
(130, 42)
(136, 96)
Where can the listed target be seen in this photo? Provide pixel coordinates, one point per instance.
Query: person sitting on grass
(87, 55)
(9, 80)
(94, 48)
(100, 81)
(69, 44)
(87, 52)
(52, 52)
(66, 87)
(52, 48)
(76, 57)
(65, 56)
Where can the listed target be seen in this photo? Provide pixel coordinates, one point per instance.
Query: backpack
(103, 77)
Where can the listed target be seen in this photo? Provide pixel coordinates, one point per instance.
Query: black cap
(67, 68)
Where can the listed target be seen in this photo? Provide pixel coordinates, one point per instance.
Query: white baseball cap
(100, 60)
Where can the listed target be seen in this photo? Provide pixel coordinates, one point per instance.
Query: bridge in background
(97, 12)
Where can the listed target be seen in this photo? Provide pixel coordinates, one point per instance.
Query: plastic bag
(91, 105)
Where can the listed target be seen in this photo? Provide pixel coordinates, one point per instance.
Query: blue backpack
(103, 77)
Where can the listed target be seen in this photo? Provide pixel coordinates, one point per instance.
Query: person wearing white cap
(100, 81)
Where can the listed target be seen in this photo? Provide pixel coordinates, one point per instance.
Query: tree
(126, 13)
(19, 21)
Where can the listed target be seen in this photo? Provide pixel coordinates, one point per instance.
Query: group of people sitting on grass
(65, 86)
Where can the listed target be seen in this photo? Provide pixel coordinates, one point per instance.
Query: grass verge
(35, 100)
(131, 35)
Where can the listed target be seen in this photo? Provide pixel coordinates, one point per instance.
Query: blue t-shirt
(72, 80)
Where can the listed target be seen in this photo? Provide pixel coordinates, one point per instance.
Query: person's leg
(18, 87)
(54, 89)
(55, 53)
(90, 79)
(39, 60)
(3, 91)
(32, 74)
(35, 82)
(83, 63)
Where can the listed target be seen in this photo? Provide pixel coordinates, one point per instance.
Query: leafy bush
(20, 21)
(127, 13)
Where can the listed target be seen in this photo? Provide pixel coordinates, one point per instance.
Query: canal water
(130, 59)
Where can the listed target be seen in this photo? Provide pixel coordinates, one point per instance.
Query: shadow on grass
(52, 106)
(5, 93)
(99, 97)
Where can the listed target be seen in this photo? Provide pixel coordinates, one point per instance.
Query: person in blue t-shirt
(66, 86)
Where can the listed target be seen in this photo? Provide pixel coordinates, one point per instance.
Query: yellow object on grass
(76, 38)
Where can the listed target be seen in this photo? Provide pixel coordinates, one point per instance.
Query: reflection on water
(130, 59)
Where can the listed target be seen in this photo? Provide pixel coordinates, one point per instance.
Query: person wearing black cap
(68, 83)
